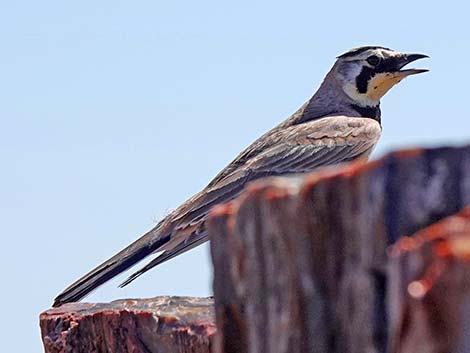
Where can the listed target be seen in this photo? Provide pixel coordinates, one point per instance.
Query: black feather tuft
(356, 51)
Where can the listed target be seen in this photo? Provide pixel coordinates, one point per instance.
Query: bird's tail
(120, 262)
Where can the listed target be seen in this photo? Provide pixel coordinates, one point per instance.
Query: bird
(341, 122)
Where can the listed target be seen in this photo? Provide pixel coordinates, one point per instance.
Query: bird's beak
(393, 74)
(404, 60)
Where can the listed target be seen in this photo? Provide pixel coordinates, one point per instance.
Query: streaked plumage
(340, 123)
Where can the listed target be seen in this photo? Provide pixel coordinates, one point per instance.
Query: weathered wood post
(154, 325)
(302, 266)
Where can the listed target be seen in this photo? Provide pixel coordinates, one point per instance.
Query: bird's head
(367, 73)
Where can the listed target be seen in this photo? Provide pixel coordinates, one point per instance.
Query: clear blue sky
(114, 112)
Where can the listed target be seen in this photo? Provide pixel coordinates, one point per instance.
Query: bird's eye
(373, 60)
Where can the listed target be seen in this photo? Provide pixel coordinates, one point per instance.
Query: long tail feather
(120, 262)
(167, 255)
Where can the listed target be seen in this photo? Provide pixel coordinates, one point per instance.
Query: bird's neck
(330, 99)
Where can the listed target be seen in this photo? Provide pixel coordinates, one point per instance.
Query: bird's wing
(297, 149)
(292, 149)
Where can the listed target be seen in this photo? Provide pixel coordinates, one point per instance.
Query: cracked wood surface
(154, 325)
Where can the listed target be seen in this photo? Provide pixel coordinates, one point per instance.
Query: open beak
(404, 60)
(392, 74)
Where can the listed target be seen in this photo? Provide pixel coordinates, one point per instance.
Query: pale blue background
(113, 112)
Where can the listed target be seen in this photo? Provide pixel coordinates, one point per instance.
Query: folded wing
(295, 149)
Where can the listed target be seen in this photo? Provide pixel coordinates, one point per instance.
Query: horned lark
(340, 123)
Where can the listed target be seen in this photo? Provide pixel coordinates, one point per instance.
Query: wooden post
(301, 265)
(155, 325)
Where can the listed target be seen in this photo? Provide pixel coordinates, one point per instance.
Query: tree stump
(155, 325)
(300, 265)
